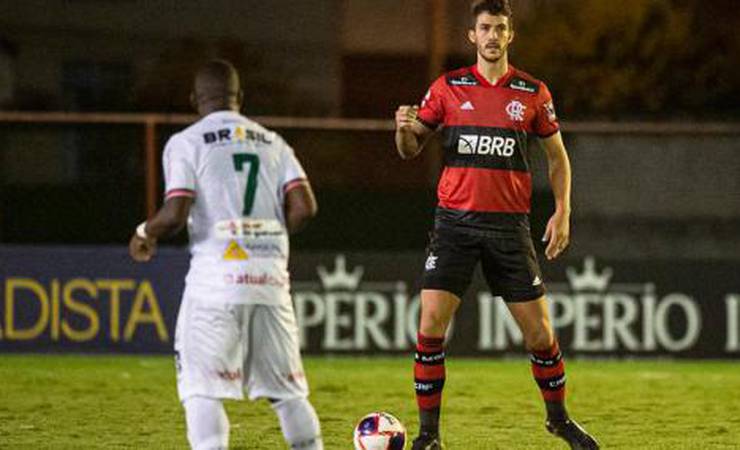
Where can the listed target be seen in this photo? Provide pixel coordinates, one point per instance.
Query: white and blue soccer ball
(380, 431)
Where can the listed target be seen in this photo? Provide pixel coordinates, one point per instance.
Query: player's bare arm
(557, 233)
(411, 135)
(300, 207)
(170, 219)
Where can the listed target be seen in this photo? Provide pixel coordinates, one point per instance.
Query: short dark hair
(492, 7)
(216, 78)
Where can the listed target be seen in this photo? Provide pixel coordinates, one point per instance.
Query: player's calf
(208, 425)
(299, 423)
(429, 379)
(548, 369)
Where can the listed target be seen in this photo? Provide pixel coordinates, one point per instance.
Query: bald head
(216, 87)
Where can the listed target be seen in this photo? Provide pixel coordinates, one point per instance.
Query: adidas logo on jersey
(467, 106)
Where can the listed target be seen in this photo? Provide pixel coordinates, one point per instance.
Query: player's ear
(471, 36)
(193, 103)
(511, 36)
(240, 98)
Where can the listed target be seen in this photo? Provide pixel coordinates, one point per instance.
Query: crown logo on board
(589, 279)
(340, 277)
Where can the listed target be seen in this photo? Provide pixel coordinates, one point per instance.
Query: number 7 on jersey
(254, 166)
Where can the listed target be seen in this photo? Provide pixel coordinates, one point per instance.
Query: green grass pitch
(82, 402)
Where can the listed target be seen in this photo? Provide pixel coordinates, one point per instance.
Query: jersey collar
(485, 83)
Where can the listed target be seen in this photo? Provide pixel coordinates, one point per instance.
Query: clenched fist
(141, 250)
(406, 117)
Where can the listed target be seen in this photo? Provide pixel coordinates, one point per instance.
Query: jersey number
(254, 166)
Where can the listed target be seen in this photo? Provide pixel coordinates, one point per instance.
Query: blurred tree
(716, 55)
(634, 57)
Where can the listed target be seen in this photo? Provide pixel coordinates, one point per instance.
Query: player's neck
(208, 109)
(492, 71)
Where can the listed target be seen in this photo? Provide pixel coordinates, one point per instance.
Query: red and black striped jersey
(486, 181)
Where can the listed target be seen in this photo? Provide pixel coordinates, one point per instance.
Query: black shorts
(508, 261)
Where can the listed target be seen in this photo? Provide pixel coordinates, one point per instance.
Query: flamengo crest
(515, 109)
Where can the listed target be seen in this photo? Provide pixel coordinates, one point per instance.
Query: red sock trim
(429, 401)
(430, 371)
(554, 396)
(548, 372)
(423, 372)
(549, 353)
(429, 343)
(541, 372)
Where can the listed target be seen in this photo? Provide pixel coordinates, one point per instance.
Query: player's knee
(432, 325)
(433, 322)
(437, 309)
(539, 340)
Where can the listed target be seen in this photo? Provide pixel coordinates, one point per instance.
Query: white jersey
(238, 173)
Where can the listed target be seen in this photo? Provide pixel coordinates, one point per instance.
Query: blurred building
(307, 58)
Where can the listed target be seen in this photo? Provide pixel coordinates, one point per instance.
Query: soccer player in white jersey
(241, 190)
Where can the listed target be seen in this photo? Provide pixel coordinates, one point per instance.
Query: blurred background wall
(636, 58)
(669, 191)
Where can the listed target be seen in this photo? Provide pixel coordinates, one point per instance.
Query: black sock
(429, 421)
(556, 411)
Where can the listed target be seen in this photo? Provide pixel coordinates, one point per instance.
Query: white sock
(208, 426)
(299, 423)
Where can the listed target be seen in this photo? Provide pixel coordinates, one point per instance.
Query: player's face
(491, 36)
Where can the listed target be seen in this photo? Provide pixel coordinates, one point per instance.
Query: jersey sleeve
(431, 113)
(291, 173)
(545, 121)
(179, 168)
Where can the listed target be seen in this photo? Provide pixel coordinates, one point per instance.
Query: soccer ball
(380, 431)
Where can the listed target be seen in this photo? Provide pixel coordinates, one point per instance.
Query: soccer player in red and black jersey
(486, 114)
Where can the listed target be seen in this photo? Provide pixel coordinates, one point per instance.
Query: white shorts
(223, 350)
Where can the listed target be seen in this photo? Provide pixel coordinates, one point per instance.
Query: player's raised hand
(406, 117)
(557, 234)
(140, 249)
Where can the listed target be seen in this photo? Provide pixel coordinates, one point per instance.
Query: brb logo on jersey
(474, 144)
